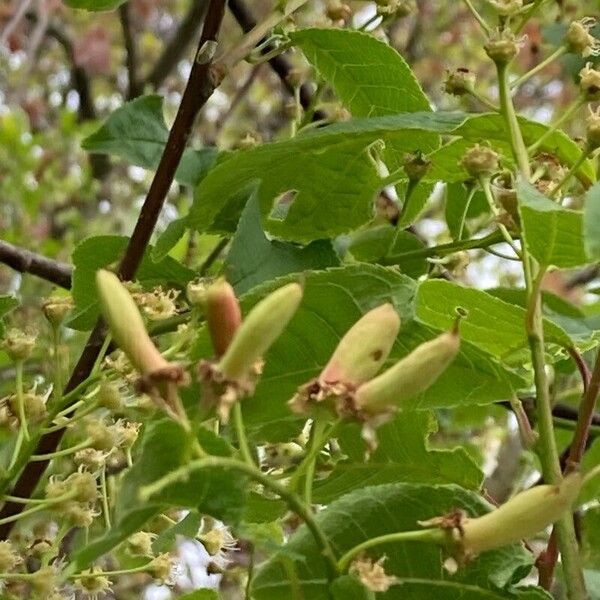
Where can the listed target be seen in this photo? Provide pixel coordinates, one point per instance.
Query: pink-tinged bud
(410, 376)
(523, 516)
(126, 325)
(364, 348)
(223, 314)
(259, 330)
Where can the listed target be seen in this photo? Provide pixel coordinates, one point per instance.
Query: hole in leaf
(282, 204)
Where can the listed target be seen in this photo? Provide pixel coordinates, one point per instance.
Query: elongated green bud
(126, 325)
(364, 348)
(223, 314)
(410, 376)
(521, 517)
(263, 325)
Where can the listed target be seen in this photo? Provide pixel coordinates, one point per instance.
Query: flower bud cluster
(579, 40)
(18, 344)
(503, 46)
(397, 8)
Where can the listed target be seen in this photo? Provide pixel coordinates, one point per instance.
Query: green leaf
(402, 455)
(379, 510)
(348, 587)
(580, 327)
(167, 240)
(101, 251)
(551, 233)
(456, 204)
(253, 258)
(591, 222)
(329, 170)
(138, 133)
(371, 79)
(368, 75)
(493, 325)
(187, 527)
(7, 304)
(333, 301)
(129, 524)
(383, 243)
(95, 5)
(327, 176)
(259, 509)
(211, 491)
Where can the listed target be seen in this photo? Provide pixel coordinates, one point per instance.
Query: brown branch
(560, 411)
(81, 84)
(583, 277)
(200, 86)
(25, 261)
(79, 77)
(134, 89)
(178, 44)
(585, 419)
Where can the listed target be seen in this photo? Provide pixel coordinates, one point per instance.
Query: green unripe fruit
(410, 376)
(126, 325)
(480, 161)
(18, 344)
(263, 325)
(521, 517)
(364, 348)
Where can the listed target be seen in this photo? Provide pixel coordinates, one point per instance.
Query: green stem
(556, 124)
(60, 453)
(556, 54)
(546, 447)
(487, 191)
(104, 492)
(39, 507)
(58, 376)
(510, 116)
(237, 52)
(76, 417)
(445, 249)
(478, 17)
(530, 13)
(487, 103)
(547, 450)
(311, 108)
(294, 503)
(19, 500)
(319, 434)
(463, 217)
(21, 400)
(240, 431)
(116, 573)
(431, 536)
(571, 172)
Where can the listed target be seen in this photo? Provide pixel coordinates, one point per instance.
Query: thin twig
(134, 89)
(585, 419)
(200, 86)
(79, 78)
(22, 6)
(25, 261)
(178, 44)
